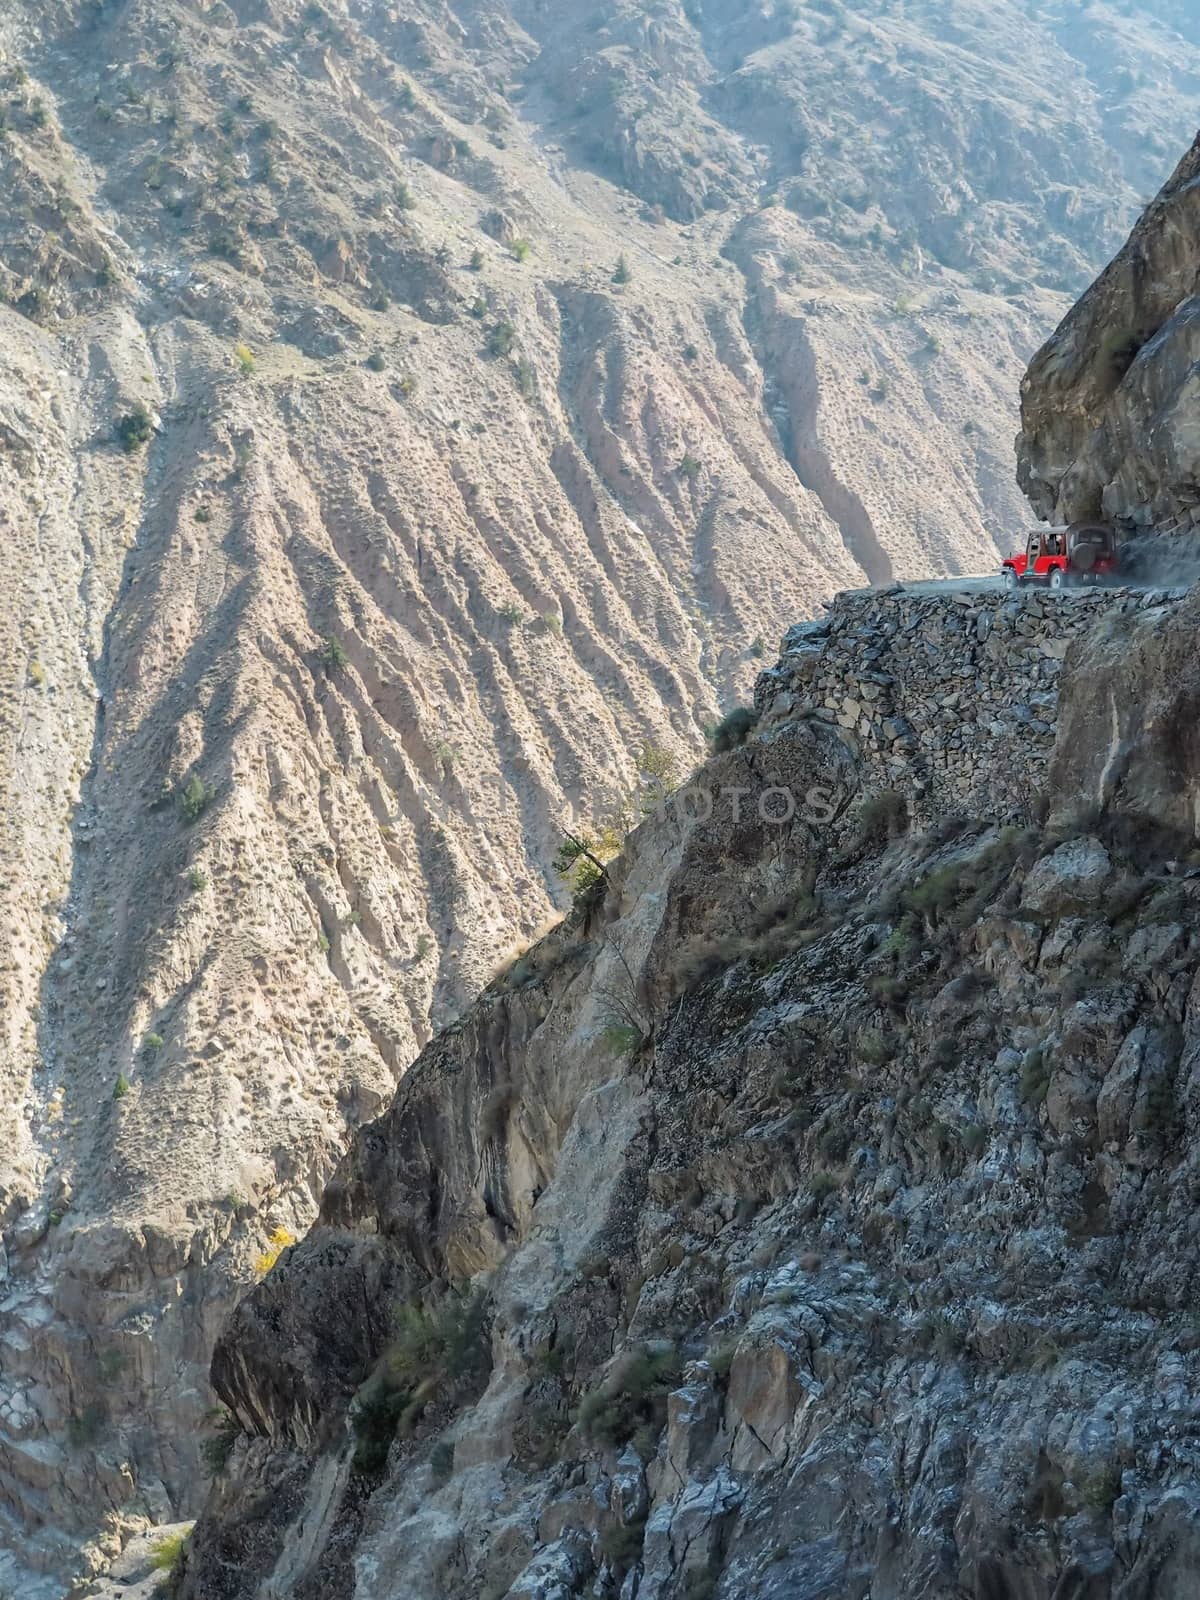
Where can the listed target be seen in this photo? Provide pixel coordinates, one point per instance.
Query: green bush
(441, 1463)
(135, 429)
(196, 798)
(689, 467)
(83, 1428)
(333, 655)
(376, 361)
(974, 1139)
(120, 1087)
(734, 728)
(1035, 1077)
(883, 816)
(520, 249)
(501, 339)
(822, 1184)
(197, 879)
(632, 1397)
(622, 1038)
(622, 274)
(217, 1444)
(437, 1354)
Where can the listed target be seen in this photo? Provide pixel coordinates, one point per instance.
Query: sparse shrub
(974, 1139)
(622, 274)
(376, 361)
(511, 612)
(689, 467)
(168, 1552)
(519, 250)
(218, 1443)
(202, 514)
(734, 728)
(83, 1428)
(936, 893)
(882, 816)
(120, 1087)
(245, 359)
(526, 381)
(758, 647)
(632, 1396)
(501, 339)
(834, 1143)
(197, 879)
(195, 799)
(1101, 1489)
(476, 261)
(333, 655)
(37, 674)
(690, 353)
(622, 1038)
(436, 1354)
(441, 1463)
(822, 1184)
(874, 1048)
(621, 1543)
(404, 197)
(1035, 1077)
(135, 428)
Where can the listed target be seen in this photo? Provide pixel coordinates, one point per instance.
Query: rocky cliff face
(812, 1214)
(1110, 420)
(432, 514)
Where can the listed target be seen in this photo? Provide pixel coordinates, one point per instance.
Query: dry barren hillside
(408, 413)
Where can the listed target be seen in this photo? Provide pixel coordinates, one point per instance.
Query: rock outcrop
(1110, 407)
(810, 1215)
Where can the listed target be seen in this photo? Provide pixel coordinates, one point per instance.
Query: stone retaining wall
(950, 696)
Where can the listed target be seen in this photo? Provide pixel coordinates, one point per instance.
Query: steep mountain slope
(420, 537)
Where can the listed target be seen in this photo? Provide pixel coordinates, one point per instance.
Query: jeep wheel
(1010, 579)
(1058, 579)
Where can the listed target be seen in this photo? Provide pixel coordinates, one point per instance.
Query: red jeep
(1083, 553)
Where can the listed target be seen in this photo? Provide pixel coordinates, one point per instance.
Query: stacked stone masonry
(950, 695)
